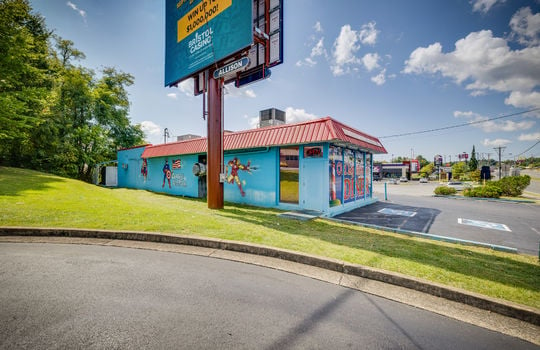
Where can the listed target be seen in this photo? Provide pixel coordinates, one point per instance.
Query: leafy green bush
(490, 190)
(445, 191)
(513, 186)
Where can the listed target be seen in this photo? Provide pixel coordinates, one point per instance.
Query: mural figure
(167, 174)
(144, 168)
(233, 177)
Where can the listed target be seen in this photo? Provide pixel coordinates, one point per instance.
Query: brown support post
(215, 144)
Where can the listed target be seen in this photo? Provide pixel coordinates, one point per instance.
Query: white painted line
(484, 224)
(389, 211)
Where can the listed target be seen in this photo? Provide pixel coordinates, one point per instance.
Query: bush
(445, 191)
(490, 190)
(513, 186)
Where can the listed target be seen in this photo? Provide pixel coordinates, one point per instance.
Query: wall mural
(235, 166)
(144, 168)
(178, 178)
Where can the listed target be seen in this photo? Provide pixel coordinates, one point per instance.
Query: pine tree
(473, 163)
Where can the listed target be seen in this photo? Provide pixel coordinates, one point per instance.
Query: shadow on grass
(457, 259)
(14, 181)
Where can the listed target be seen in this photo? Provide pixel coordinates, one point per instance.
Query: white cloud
(234, 92)
(371, 61)
(380, 78)
(295, 115)
(74, 7)
(151, 130)
(172, 95)
(529, 137)
(318, 27)
(186, 87)
(368, 34)
(492, 125)
(526, 27)
(484, 63)
(496, 142)
(345, 47)
(484, 5)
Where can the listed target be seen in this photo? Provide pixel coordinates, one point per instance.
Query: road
(96, 297)
(513, 225)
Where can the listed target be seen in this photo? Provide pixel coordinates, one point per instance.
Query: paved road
(75, 296)
(514, 225)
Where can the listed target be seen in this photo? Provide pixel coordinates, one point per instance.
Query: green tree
(25, 81)
(427, 170)
(458, 169)
(473, 162)
(423, 161)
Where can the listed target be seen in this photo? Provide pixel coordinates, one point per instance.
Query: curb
(502, 200)
(501, 307)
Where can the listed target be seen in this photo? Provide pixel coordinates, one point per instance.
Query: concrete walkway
(497, 315)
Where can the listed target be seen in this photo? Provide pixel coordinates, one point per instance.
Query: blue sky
(383, 67)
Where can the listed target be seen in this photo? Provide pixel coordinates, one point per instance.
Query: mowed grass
(29, 198)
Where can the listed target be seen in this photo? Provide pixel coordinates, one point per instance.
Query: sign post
(215, 144)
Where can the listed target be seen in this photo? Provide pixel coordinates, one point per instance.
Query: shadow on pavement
(394, 216)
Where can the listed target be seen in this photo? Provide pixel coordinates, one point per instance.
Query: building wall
(331, 179)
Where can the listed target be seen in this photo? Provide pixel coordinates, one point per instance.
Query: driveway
(412, 206)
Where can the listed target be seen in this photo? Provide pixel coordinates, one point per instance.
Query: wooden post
(215, 143)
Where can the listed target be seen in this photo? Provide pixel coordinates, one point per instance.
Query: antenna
(165, 135)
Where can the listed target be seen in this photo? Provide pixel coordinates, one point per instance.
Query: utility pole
(500, 148)
(165, 135)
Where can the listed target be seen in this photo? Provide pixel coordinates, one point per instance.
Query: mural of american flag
(176, 164)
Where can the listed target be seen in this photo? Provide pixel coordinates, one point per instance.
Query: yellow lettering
(203, 13)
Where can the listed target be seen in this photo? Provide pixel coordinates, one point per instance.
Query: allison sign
(200, 33)
(231, 67)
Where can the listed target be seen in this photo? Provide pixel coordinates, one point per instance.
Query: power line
(528, 149)
(459, 125)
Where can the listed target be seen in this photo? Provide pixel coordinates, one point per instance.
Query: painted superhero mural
(335, 159)
(144, 168)
(234, 166)
(177, 178)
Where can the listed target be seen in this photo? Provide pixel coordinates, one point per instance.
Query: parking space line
(484, 224)
(389, 211)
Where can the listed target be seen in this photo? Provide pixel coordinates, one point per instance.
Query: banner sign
(200, 33)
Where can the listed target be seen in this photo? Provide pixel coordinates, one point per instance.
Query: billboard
(200, 33)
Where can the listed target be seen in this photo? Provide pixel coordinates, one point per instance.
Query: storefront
(320, 165)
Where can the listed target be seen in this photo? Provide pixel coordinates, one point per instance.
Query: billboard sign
(201, 33)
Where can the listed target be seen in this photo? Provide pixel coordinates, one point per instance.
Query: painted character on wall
(167, 174)
(144, 168)
(233, 177)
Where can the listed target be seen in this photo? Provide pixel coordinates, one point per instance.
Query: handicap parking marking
(397, 212)
(484, 224)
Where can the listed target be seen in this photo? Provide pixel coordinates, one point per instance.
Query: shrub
(445, 191)
(490, 190)
(513, 186)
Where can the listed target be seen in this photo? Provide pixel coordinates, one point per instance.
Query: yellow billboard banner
(199, 15)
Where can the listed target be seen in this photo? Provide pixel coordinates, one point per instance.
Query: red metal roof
(313, 131)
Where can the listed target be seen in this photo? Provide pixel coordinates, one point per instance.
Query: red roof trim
(312, 131)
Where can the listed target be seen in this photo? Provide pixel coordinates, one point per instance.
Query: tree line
(56, 115)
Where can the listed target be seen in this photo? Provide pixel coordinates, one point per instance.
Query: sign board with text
(201, 33)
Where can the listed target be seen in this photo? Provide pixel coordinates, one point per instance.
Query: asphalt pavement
(412, 207)
(105, 297)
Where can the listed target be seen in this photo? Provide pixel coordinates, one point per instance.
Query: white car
(403, 179)
(423, 180)
(458, 185)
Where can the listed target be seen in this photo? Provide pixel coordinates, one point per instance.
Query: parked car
(458, 185)
(403, 179)
(392, 181)
(423, 180)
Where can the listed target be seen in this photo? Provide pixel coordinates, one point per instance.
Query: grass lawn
(29, 198)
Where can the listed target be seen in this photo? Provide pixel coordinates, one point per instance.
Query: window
(289, 175)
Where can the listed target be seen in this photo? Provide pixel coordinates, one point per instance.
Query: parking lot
(411, 206)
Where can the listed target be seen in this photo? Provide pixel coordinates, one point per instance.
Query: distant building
(271, 117)
(187, 137)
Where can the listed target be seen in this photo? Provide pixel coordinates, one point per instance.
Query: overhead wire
(459, 125)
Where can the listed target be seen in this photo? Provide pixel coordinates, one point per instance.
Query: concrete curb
(502, 307)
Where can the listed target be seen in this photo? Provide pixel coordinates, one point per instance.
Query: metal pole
(215, 143)
(385, 192)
